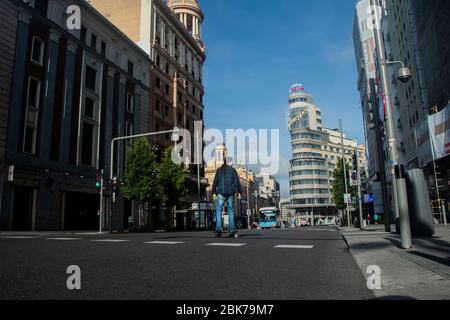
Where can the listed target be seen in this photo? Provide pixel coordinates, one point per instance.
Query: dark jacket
(226, 182)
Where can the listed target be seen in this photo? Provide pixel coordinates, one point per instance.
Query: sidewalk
(421, 273)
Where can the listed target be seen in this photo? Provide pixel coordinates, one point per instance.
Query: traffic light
(355, 161)
(98, 180)
(115, 183)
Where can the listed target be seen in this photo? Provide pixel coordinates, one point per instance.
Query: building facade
(170, 33)
(364, 44)
(316, 152)
(268, 190)
(71, 91)
(415, 33)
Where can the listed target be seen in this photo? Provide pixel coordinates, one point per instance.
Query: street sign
(347, 198)
(11, 173)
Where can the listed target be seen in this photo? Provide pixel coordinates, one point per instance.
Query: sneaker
(234, 235)
(218, 234)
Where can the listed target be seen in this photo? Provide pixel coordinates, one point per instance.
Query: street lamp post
(397, 170)
(344, 170)
(174, 133)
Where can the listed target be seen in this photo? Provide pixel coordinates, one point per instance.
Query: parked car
(304, 223)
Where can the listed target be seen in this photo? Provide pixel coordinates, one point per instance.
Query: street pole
(397, 170)
(248, 198)
(344, 170)
(198, 172)
(361, 222)
(101, 200)
(380, 157)
(111, 162)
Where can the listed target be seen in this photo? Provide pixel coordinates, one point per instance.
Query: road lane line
(63, 239)
(282, 246)
(111, 240)
(19, 237)
(226, 244)
(164, 242)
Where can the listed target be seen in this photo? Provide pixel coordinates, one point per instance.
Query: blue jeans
(219, 208)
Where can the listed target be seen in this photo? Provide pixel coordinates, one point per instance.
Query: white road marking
(282, 246)
(19, 237)
(63, 239)
(90, 233)
(111, 240)
(164, 242)
(226, 244)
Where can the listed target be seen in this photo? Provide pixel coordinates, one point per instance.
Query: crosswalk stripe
(226, 244)
(111, 240)
(19, 237)
(282, 246)
(164, 242)
(63, 239)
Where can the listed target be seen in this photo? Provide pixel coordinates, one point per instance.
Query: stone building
(71, 92)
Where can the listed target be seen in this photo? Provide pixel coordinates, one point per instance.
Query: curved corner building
(310, 172)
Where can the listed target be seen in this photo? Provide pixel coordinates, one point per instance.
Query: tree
(141, 173)
(171, 179)
(338, 186)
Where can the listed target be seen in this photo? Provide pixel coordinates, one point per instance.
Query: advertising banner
(439, 126)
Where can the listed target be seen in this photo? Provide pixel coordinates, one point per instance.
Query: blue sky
(256, 51)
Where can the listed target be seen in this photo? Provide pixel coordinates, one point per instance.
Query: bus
(268, 218)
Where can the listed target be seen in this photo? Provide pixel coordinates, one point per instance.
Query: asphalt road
(310, 264)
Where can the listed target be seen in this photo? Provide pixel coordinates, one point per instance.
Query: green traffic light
(98, 184)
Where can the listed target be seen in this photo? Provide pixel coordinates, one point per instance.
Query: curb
(346, 241)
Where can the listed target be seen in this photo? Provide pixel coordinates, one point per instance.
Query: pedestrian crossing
(170, 243)
(226, 244)
(161, 242)
(283, 246)
(63, 239)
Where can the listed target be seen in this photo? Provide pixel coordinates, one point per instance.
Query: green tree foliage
(338, 187)
(171, 178)
(141, 174)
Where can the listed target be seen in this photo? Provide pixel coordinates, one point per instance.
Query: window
(129, 129)
(87, 145)
(157, 105)
(167, 68)
(32, 115)
(158, 82)
(89, 108)
(83, 35)
(130, 103)
(93, 41)
(156, 127)
(167, 89)
(37, 51)
(167, 111)
(103, 49)
(90, 78)
(130, 68)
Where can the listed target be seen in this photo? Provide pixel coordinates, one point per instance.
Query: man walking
(226, 185)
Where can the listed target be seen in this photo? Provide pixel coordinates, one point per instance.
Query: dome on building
(192, 3)
(176, 5)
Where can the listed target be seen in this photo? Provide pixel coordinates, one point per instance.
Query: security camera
(404, 74)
